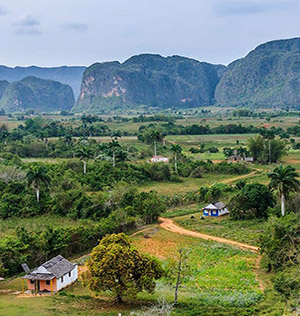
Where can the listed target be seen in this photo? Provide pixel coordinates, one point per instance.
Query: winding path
(169, 225)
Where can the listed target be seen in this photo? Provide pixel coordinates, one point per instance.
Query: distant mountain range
(35, 93)
(269, 76)
(65, 74)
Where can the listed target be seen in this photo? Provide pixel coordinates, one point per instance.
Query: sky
(72, 32)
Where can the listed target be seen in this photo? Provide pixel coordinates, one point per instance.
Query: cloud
(28, 20)
(28, 25)
(238, 7)
(2, 10)
(78, 27)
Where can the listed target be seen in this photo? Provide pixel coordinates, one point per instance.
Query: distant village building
(52, 276)
(215, 209)
(159, 159)
(240, 158)
(1, 279)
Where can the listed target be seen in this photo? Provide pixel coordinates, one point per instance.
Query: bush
(252, 201)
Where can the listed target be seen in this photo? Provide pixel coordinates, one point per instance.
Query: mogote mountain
(269, 76)
(70, 75)
(150, 80)
(35, 93)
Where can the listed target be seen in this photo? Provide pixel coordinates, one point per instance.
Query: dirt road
(169, 225)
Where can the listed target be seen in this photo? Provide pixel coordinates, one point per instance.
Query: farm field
(120, 191)
(220, 280)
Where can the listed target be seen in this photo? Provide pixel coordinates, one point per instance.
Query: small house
(159, 159)
(215, 209)
(52, 276)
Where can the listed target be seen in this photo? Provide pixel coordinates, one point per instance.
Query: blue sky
(72, 32)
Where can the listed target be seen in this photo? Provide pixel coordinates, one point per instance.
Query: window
(48, 282)
(31, 281)
(70, 273)
(62, 279)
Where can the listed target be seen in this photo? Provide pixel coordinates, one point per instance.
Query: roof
(58, 266)
(215, 206)
(39, 276)
(54, 268)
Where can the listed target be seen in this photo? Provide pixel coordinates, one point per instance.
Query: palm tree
(176, 150)
(68, 140)
(270, 135)
(114, 144)
(116, 135)
(84, 153)
(36, 176)
(155, 136)
(284, 179)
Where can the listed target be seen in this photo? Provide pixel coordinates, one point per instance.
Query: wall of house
(66, 279)
(30, 286)
(43, 286)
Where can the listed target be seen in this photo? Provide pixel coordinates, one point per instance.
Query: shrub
(252, 201)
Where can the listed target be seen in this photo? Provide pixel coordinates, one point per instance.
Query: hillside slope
(150, 80)
(36, 93)
(3, 86)
(269, 76)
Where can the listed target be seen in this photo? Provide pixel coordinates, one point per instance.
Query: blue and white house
(215, 209)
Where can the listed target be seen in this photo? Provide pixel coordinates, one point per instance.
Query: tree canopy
(252, 201)
(116, 266)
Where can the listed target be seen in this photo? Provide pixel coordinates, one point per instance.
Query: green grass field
(218, 276)
(8, 226)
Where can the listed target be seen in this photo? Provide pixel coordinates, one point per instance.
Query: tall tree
(155, 136)
(177, 151)
(284, 179)
(68, 139)
(84, 153)
(114, 145)
(269, 136)
(36, 176)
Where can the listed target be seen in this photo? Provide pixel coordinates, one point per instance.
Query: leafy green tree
(228, 152)
(177, 151)
(280, 241)
(256, 147)
(116, 266)
(284, 179)
(36, 176)
(252, 201)
(259, 151)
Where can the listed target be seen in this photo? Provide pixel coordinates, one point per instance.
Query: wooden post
(36, 287)
(51, 285)
(23, 286)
